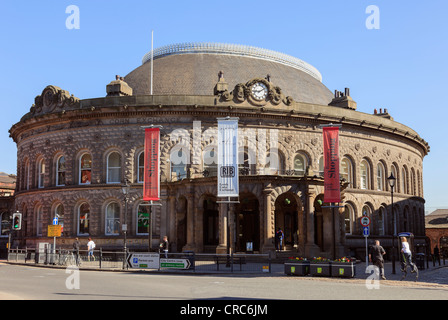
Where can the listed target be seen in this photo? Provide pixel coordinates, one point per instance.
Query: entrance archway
(247, 222)
(319, 222)
(210, 223)
(181, 218)
(286, 218)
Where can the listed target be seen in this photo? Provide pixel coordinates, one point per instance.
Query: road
(30, 283)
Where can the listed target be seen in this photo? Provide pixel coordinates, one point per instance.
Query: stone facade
(62, 139)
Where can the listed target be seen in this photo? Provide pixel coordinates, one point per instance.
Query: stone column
(269, 222)
(222, 246)
(311, 249)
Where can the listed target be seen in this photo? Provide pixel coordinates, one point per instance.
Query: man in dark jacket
(376, 257)
(76, 250)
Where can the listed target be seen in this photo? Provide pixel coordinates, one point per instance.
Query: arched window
(112, 219)
(27, 175)
(5, 224)
(60, 171)
(178, 162)
(412, 182)
(349, 214)
(143, 220)
(141, 167)
(59, 213)
(300, 164)
(275, 162)
(381, 221)
(321, 166)
(347, 171)
(365, 174)
(114, 168)
(394, 171)
(40, 173)
(210, 161)
(39, 220)
(83, 219)
(367, 211)
(85, 169)
(380, 177)
(404, 181)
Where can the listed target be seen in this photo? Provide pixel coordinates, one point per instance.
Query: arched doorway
(247, 223)
(319, 222)
(181, 218)
(210, 223)
(286, 218)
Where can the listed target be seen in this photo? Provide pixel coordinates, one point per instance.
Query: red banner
(151, 183)
(332, 191)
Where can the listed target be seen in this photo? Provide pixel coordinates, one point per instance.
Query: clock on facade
(259, 91)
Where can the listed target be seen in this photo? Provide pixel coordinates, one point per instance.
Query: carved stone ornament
(258, 92)
(53, 99)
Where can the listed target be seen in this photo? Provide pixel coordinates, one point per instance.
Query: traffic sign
(54, 231)
(366, 231)
(175, 263)
(143, 260)
(55, 221)
(365, 221)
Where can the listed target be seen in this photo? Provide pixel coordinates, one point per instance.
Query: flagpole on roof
(152, 58)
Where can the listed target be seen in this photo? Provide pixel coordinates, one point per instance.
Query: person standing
(76, 250)
(376, 257)
(90, 246)
(407, 255)
(164, 246)
(279, 239)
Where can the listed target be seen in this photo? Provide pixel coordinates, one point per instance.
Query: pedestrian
(376, 257)
(76, 250)
(436, 254)
(164, 246)
(407, 256)
(90, 246)
(279, 239)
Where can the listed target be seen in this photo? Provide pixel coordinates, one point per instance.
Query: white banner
(228, 157)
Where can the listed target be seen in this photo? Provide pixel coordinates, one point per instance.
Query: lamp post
(125, 188)
(392, 181)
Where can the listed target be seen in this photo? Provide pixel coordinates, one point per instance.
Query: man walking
(376, 257)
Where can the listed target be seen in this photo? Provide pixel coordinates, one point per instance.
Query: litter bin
(420, 261)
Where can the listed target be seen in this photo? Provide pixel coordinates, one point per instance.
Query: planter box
(343, 269)
(320, 269)
(299, 268)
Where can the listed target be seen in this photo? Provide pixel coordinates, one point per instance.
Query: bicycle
(70, 260)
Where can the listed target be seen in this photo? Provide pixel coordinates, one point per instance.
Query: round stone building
(75, 154)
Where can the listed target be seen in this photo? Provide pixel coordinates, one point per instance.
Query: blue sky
(402, 66)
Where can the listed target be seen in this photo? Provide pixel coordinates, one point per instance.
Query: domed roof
(192, 69)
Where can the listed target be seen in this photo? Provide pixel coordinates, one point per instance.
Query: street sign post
(366, 231)
(143, 261)
(179, 264)
(365, 223)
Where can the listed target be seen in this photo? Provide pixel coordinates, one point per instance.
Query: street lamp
(125, 188)
(392, 181)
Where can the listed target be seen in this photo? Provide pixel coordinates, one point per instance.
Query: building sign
(151, 184)
(332, 191)
(228, 158)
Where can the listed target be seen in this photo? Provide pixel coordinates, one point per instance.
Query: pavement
(434, 276)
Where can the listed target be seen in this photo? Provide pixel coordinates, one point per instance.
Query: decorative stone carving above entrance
(53, 99)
